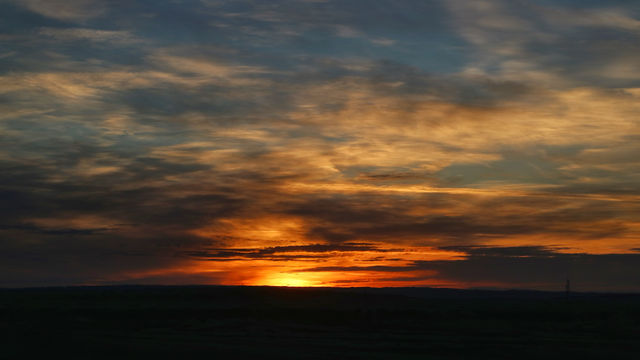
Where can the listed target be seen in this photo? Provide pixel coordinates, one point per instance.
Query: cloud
(529, 266)
(205, 67)
(605, 17)
(247, 140)
(66, 10)
(544, 44)
(120, 37)
(313, 251)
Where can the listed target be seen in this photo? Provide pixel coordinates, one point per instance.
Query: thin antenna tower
(567, 286)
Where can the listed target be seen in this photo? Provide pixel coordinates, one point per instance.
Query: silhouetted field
(307, 323)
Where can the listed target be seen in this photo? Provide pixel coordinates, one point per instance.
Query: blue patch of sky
(420, 39)
(512, 168)
(17, 20)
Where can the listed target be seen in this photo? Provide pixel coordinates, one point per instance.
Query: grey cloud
(380, 268)
(612, 272)
(507, 251)
(315, 251)
(530, 266)
(95, 35)
(358, 217)
(68, 10)
(54, 231)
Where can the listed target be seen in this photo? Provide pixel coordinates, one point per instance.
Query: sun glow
(288, 280)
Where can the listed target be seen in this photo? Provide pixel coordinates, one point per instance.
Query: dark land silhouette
(317, 323)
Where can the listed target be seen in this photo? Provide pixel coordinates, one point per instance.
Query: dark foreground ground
(296, 323)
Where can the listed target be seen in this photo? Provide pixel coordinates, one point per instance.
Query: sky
(446, 143)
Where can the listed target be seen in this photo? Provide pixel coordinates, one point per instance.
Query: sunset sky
(449, 143)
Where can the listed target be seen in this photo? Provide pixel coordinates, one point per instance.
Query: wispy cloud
(112, 37)
(68, 10)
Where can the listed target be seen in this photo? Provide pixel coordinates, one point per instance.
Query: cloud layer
(290, 142)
